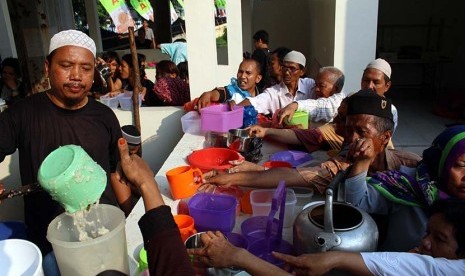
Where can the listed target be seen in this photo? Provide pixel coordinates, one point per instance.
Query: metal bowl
(216, 139)
(239, 140)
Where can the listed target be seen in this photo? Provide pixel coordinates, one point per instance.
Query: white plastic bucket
(90, 257)
(20, 257)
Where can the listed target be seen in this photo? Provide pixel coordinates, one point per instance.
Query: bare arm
(322, 263)
(261, 179)
(218, 252)
(285, 136)
(138, 173)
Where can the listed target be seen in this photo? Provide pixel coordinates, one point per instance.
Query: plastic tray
(294, 157)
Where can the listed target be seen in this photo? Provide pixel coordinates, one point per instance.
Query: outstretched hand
(217, 251)
(288, 112)
(134, 169)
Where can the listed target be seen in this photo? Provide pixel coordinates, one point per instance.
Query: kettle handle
(332, 187)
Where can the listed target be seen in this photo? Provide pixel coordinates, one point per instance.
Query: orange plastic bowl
(213, 158)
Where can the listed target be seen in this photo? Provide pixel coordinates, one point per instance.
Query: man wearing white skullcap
(292, 87)
(377, 77)
(61, 116)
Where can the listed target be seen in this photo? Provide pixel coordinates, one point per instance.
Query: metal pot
(216, 139)
(339, 226)
(239, 140)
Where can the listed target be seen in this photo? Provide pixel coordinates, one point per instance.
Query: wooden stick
(137, 84)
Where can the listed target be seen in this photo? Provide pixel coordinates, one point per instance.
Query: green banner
(144, 8)
(119, 13)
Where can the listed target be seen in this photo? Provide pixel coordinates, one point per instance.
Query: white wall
(161, 131)
(321, 23)
(204, 71)
(354, 38)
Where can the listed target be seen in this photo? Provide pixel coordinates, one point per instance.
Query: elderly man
(377, 77)
(291, 88)
(248, 76)
(328, 97)
(329, 81)
(376, 108)
(63, 115)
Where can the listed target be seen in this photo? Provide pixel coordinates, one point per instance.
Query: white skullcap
(297, 57)
(72, 38)
(381, 65)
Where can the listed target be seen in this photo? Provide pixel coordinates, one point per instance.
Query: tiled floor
(417, 126)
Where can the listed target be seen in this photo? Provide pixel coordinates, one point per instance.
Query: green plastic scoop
(72, 177)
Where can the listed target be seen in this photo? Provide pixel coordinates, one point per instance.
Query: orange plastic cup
(181, 181)
(277, 164)
(185, 225)
(246, 207)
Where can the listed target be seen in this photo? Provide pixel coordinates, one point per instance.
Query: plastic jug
(90, 257)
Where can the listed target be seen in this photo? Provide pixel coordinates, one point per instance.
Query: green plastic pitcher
(72, 177)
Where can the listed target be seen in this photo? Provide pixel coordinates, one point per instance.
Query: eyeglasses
(289, 68)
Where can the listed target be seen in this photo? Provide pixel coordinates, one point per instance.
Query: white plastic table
(185, 146)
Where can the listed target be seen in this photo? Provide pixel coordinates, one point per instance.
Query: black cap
(368, 102)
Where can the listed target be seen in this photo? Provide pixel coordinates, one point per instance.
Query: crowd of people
(420, 201)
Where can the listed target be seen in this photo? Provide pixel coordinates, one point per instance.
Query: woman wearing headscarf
(406, 195)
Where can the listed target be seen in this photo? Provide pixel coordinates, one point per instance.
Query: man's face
(374, 79)
(248, 76)
(291, 72)
(456, 182)
(439, 241)
(363, 126)
(324, 85)
(71, 73)
(275, 66)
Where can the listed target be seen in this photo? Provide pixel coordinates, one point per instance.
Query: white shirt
(400, 264)
(278, 96)
(321, 110)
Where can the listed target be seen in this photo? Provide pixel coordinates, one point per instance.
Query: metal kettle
(339, 226)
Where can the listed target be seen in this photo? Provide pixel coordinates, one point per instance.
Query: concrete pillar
(356, 24)
(7, 41)
(204, 71)
(94, 25)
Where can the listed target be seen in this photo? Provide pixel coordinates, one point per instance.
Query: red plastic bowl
(213, 158)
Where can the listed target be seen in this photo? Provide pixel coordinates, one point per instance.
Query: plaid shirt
(321, 110)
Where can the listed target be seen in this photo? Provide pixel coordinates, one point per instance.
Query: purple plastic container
(213, 212)
(294, 157)
(237, 240)
(273, 230)
(220, 119)
(254, 228)
(277, 245)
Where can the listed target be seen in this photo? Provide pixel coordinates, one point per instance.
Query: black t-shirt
(35, 126)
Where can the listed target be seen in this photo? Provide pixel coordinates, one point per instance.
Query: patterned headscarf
(441, 156)
(432, 174)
